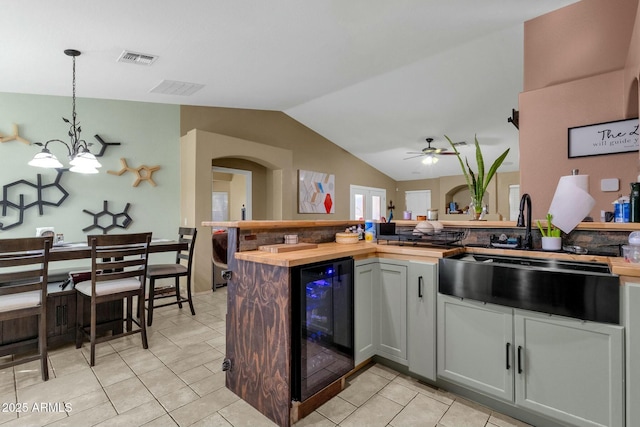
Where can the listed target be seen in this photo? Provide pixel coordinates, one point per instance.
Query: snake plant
(478, 182)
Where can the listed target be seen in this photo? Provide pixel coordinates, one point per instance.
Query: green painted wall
(149, 135)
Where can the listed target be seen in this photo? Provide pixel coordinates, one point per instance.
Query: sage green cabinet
(365, 284)
(566, 369)
(631, 322)
(475, 343)
(390, 311)
(380, 310)
(422, 289)
(569, 369)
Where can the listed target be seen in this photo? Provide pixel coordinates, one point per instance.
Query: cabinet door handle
(420, 282)
(507, 355)
(519, 359)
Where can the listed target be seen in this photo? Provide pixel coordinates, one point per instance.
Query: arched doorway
(198, 152)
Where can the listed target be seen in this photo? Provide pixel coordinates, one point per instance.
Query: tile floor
(179, 381)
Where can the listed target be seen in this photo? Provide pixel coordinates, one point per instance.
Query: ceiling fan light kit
(431, 153)
(430, 159)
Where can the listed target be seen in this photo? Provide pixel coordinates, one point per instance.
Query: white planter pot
(551, 243)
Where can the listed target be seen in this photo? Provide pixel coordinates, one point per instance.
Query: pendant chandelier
(80, 158)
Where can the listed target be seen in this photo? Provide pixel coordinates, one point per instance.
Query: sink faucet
(527, 244)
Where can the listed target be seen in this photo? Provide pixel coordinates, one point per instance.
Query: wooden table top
(81, 250)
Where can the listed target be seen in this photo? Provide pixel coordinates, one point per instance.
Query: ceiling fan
(430, 152)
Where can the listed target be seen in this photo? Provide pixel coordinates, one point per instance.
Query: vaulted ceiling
(375, 77)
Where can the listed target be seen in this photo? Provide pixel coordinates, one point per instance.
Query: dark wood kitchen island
(259, 334)
(259, 308)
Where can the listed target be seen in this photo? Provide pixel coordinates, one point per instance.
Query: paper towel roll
(571, 202)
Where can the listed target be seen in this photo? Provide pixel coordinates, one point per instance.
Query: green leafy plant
(478, 182)
(551, 230)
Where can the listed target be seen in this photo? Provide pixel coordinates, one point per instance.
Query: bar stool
(172, 271)
(23, 293)
(218, 255)
(118, 268)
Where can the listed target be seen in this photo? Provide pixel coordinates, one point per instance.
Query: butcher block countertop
(329, 251)
(261, 224)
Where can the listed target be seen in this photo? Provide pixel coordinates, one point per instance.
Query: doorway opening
(367, 203)
(231, 194)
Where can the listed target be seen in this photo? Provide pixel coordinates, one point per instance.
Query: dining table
(61, 301)
(82, 250)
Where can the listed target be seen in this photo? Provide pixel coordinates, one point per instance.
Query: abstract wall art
(316, 192)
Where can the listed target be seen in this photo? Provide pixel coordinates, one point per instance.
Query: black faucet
(527, 243)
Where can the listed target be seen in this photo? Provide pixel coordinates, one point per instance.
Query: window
(418, 202)
(367, 203)
(514, 202)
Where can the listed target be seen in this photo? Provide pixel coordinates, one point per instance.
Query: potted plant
(477, 182)
(551, 239)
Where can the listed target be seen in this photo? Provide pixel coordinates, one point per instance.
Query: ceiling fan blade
(413, 157)
(449, 153)
(415, 152)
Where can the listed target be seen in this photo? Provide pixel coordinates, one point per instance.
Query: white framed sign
(604, 138)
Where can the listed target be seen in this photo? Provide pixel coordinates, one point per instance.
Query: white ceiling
(375, 77)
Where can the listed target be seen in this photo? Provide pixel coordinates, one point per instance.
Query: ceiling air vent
(137, 58)
(171, 87)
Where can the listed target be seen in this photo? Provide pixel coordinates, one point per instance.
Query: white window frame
(369, 193)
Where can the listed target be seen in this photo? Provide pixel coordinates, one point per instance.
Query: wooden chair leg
(193, 312)
(213, 277)
(178, 297)
(79, 319)
(143, 326)
(152, 296)
(138, 310)
(92, 336)
(42, 344)
(129, 313)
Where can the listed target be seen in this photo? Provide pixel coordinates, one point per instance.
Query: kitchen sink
(542, 263)
(582, 290)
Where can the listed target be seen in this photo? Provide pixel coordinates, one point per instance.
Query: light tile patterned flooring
(178, 381)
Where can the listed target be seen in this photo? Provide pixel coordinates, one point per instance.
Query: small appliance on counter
(385, 229)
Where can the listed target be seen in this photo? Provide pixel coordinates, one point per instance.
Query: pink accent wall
(577, 72)
(584, 39)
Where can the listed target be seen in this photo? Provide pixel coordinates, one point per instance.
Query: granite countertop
(328, 251)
